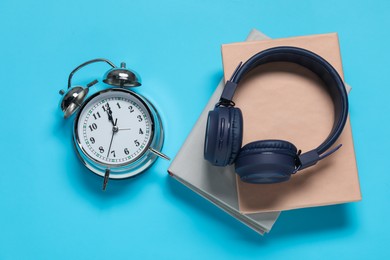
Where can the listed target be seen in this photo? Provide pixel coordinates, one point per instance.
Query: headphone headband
(317, 65)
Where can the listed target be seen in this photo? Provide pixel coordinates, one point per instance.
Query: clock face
(114, 127)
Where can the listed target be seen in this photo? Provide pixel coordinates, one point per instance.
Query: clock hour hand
(109, 113)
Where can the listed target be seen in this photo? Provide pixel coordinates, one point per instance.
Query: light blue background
(51, 207)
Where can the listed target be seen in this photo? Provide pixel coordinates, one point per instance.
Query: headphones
(270, 161)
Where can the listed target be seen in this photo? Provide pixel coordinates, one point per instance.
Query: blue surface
(51, 207)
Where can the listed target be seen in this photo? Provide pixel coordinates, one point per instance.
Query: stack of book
(274, 94)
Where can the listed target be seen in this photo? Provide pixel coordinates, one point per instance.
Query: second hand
(114, 130)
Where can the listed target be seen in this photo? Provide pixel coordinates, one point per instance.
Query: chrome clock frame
(137, 165)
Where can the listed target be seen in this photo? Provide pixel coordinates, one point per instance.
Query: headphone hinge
(308, 159)
(225, 103)
(228, 91)
(298, 164)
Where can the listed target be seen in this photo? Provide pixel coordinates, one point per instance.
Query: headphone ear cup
(268, 161)
(223, 137)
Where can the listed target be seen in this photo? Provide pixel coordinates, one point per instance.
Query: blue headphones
(270, 161)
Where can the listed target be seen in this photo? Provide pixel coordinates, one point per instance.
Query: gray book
(216, 184)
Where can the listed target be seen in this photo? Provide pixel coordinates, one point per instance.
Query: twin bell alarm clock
(117, 133)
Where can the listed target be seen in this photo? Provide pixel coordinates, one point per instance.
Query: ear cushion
(268, 161)
(212, 138)
(236, 132)
(223, 137)
(269, 146)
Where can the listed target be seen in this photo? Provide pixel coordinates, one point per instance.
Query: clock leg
(106, 177)
(159, 154)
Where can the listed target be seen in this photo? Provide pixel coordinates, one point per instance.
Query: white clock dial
(114, 128)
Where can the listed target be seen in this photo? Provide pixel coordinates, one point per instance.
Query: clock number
(92, 127)
(101, 150)
(126, 151)
(136, 143)
(113, 153)
(139, 118)
(96, 116)
(92, 140)
(105, 107)
(141, 132)
(131, 109)
(118, 105)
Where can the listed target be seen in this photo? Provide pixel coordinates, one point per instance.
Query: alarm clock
(117, 133)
